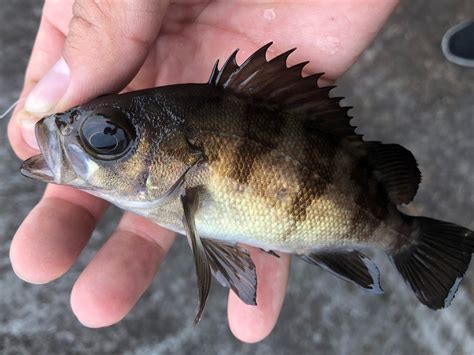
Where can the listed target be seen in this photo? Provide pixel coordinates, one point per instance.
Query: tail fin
(434, 263)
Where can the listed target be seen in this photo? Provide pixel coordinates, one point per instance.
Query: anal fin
(350, 265)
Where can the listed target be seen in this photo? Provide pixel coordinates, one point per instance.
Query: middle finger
(120, 272)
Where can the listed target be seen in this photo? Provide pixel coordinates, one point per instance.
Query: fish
(259, 155)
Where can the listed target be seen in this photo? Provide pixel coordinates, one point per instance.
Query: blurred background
(403, 91)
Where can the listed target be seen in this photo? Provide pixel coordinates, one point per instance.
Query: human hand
(128, 45)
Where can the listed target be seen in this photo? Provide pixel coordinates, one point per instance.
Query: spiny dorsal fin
(275, 83)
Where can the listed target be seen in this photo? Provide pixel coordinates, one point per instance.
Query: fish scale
(305, 217)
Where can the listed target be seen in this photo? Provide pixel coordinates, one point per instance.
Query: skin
(108, 50)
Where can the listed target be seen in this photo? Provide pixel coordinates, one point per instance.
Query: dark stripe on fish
(371, 198)
(315, 174)
(320, 154)
(262, 126)
(310, 189)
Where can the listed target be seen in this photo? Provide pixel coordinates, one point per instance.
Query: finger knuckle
(108, 21)
(90, 16)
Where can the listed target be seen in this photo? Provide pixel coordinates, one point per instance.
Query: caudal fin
(434, 263)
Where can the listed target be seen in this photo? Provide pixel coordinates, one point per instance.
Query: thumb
(106, 45)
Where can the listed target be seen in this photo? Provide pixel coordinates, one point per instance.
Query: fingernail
(28, 131)
(49, 90)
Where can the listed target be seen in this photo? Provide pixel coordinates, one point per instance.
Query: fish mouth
(51, 165)
(37, 168)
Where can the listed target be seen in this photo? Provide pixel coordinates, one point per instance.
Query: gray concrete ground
(404, 91)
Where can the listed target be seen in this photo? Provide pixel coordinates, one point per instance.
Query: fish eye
(106, 138)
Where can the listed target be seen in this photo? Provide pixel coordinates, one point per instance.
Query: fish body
(264, 180)
(261, 156)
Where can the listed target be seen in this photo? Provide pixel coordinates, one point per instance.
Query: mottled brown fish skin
(309, 190)
(254, 128)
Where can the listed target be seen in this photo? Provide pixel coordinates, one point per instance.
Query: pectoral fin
(230, 264)
(350, 265)
(190, 203)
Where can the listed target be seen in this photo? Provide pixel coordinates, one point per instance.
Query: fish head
(98, 147)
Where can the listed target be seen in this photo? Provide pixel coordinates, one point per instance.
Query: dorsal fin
(396, 168)
(276, 84)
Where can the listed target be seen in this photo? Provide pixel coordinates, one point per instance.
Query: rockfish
(257, 155)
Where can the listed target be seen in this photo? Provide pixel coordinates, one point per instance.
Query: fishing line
(15, 104)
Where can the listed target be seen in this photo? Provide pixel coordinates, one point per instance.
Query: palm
(191, 38)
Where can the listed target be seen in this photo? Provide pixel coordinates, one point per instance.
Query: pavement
(403, 91)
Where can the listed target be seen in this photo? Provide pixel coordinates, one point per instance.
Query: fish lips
(37, 168)
(51, 165)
